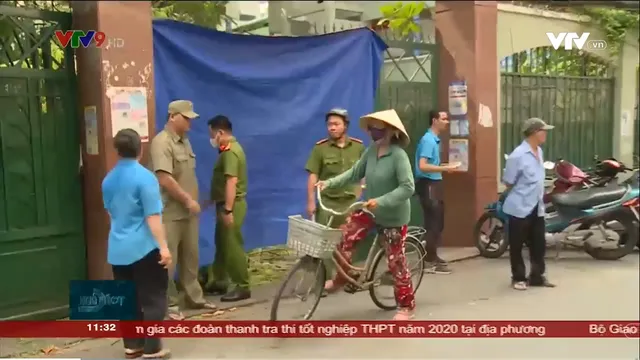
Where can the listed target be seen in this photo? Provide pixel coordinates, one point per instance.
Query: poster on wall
(458, 98)
(91, 130)
(129, 110)
(626, 124)
(463, 127)
(459, 127)
(459, 153)
(454, 128)
(485, 118)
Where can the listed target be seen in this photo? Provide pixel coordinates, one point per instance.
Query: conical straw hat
(390, 117)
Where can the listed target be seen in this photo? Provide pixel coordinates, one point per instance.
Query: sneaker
(438, 268)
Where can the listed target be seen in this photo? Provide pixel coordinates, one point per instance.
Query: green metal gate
(41, 230)
(568, 89)
(408, 84)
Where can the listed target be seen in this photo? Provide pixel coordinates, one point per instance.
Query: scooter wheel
(626, 244)
(494, 244)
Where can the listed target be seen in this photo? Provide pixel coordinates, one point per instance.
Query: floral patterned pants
(392, 240)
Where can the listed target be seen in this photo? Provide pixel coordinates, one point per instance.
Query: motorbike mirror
(549, 165)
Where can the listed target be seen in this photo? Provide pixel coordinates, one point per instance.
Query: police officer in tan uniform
(174, 162)
(331, 157)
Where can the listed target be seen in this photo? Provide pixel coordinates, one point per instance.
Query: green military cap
(338, 112)
(534, 125)
(184, 107)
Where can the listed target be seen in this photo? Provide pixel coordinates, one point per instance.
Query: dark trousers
(431, 194)
(151, 280)
(529, 231)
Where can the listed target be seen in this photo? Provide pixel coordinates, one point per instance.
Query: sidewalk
(477, 290)
(260, 295)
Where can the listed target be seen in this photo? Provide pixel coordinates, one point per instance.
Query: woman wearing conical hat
(389, 182)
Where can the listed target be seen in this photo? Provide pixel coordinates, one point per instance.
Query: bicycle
(318, 242)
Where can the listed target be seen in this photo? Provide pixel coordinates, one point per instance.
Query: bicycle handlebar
(358, 205)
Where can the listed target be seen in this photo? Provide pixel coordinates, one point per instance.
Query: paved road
(587, 289)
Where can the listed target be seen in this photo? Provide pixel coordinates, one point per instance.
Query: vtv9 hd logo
(77, 38)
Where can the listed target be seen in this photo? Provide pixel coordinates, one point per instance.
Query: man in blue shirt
(137, 247)
(524, 178)
(428, 174)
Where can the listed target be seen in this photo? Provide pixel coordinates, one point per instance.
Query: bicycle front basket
(310, 238)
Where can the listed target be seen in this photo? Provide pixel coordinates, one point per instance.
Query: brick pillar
(126, 62)
(467, 35)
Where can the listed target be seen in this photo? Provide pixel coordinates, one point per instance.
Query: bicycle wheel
(382, 291)
(307, 278)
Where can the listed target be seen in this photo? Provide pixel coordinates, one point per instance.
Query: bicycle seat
(584, 199)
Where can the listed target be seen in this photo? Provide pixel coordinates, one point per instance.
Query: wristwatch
(227, 211)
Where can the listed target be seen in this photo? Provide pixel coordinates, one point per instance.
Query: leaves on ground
(49, 350)
(208, 315)
(268, 265)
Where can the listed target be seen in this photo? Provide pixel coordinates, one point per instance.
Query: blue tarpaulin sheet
(275, 90)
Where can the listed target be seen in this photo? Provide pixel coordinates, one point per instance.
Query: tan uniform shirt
(328, 160)
(173, 154)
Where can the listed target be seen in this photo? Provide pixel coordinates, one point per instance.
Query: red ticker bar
(321, 329)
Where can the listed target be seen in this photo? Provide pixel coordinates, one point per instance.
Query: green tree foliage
(17, 35)
(615, 23)
(204, 13)
(400, 17)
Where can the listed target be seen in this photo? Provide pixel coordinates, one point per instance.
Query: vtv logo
(570, 39)
(567, 37)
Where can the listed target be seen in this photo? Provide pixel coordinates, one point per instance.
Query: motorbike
(596, 206)
(634, 205)
(568, 177)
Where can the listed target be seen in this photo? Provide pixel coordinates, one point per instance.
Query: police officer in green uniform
(228, 192)
(331, 157)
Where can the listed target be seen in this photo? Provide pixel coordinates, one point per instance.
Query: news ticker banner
(320, 329)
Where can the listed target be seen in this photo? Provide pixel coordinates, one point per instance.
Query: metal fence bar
(579, 107)
(636, 127)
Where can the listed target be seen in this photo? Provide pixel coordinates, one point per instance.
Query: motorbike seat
(584, 199)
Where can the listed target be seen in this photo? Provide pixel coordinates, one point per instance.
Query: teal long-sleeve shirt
(388, 179)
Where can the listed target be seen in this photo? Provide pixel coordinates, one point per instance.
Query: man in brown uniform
(174, 163)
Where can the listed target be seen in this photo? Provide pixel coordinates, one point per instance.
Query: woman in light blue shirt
(524, 178)
(137, 249)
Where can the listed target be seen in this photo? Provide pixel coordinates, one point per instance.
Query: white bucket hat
(391, 118)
